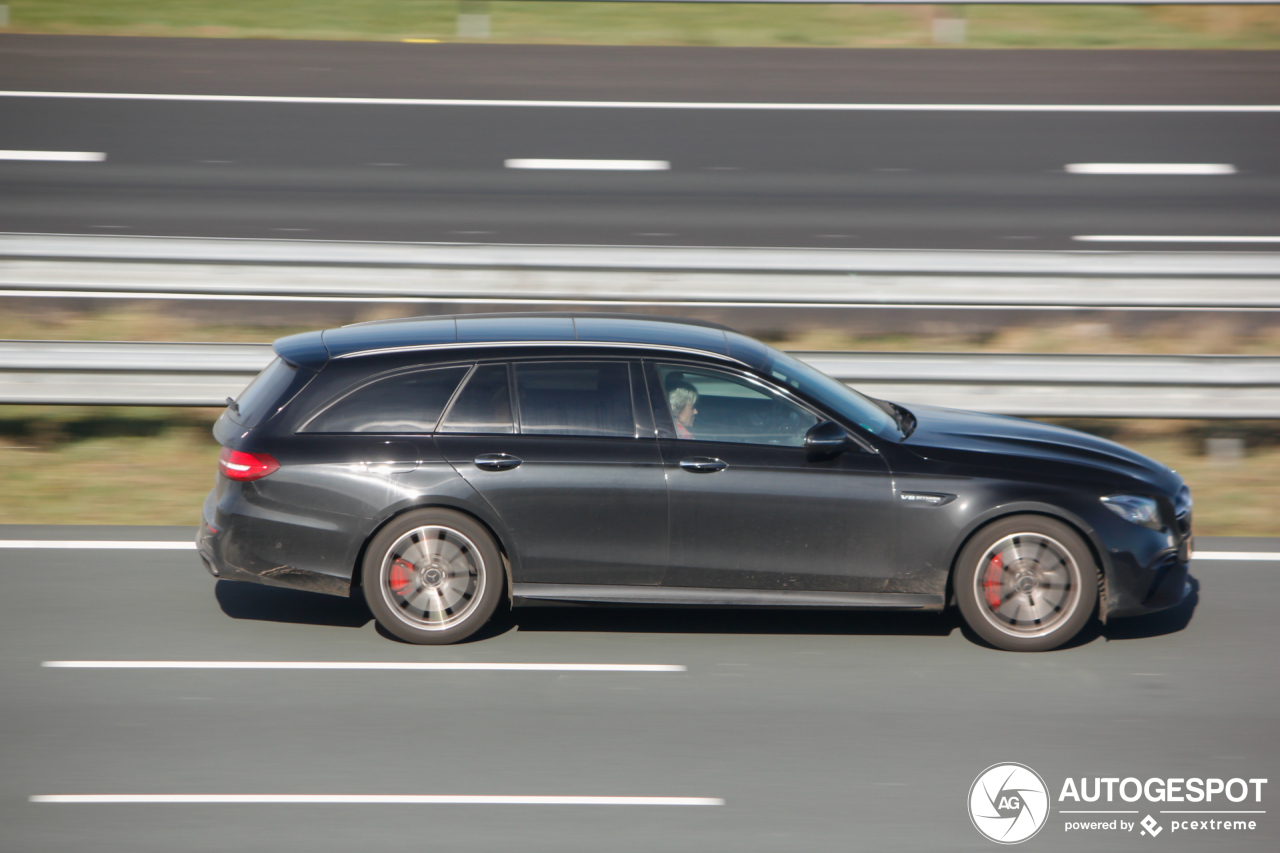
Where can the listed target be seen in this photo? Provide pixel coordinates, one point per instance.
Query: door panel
(750, 507)
(580, 510)
(583, 498)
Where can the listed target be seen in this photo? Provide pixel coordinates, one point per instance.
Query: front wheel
(1026, 583)
(433, 576)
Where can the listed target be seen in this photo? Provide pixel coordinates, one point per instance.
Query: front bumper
(1145, 581)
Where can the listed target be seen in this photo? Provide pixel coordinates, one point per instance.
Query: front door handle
(703, 464)
(497, 462)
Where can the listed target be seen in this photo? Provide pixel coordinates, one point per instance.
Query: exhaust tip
(209, 566)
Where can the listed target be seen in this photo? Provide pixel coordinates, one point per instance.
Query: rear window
(399, 404)
(263, 396)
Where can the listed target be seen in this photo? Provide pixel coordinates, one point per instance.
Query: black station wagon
(446, 466)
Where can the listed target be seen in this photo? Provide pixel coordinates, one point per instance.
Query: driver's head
(680, 397)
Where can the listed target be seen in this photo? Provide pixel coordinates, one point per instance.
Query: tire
(1026, 583)
(433, 576)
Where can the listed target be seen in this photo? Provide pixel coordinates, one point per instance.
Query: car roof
(313, 349)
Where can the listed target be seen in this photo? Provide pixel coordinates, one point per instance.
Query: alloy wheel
(432, 577)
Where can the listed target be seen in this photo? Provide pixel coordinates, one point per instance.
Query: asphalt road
(913, 178)
(820, 731)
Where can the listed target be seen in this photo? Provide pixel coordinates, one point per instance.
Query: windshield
(833, 394)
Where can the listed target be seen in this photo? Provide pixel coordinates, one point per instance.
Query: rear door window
(406, 403)
(575, 398)
(484, 403)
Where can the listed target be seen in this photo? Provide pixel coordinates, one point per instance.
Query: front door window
(711, 405)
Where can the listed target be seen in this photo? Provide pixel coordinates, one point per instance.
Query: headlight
(1134, 508)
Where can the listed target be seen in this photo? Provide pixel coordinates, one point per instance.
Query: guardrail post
(1224, 450)
(473, 19)
(949, 25)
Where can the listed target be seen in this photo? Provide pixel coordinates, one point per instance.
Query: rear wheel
(433, 576)
(1026, 583)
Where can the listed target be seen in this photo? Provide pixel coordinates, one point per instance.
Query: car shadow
(657, 620)
(275, 604)
(1157, 624)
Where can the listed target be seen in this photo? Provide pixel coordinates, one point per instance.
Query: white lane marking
(1141, 238)
(1267, 556)
(55, 156)
(365, 665)
(666, 105)
(1151, 168)
(591, 165)
(369, 799)
(1212, 811)
(104, 545)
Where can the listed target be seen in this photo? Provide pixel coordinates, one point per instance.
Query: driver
(681, 397)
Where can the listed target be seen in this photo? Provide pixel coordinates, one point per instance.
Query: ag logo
(1008, 803)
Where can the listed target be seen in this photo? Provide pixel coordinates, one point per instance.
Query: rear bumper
(237, 543)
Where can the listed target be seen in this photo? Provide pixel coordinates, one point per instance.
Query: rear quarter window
(265, 394)
(403, 403)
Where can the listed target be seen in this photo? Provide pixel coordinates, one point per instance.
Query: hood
(1017, 444)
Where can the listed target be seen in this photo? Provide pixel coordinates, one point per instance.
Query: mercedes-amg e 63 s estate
(444, 467)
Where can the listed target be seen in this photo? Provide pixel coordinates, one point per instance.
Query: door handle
(703, 464)
(497, 462)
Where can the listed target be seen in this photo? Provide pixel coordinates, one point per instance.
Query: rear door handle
(497, 462)
(703, 464)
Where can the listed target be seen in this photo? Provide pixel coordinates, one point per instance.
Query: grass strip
(695, 24)
(134, 465)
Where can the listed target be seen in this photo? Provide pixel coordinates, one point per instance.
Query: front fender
(1031, 507)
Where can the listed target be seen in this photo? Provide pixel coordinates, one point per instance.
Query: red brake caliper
(401, 574)
(991, 582)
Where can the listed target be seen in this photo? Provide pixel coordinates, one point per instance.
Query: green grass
(660, 23)
(103, 465)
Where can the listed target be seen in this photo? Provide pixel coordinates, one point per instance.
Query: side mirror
(827, 437)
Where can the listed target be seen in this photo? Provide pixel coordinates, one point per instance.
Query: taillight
(238, 465)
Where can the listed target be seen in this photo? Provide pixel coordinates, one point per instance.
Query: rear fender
(453, 493)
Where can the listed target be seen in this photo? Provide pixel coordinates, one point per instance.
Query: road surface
(819, 731)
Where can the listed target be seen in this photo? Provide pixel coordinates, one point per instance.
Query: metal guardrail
(687, 258)
(193, 269)
(1210, 386)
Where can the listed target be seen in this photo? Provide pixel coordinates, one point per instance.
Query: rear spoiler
(306, 350)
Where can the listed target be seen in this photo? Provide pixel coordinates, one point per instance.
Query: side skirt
(672, 595)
